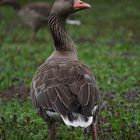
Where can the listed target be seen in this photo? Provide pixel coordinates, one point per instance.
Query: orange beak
(78, 4)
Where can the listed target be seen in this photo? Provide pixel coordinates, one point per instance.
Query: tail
(78, 120)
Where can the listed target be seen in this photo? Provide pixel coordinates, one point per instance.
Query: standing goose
(35, 15)
(63, 89)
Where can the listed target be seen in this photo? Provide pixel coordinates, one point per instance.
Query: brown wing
(64, 88)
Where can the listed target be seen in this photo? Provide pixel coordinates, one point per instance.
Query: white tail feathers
(94, 109)
(79, 122)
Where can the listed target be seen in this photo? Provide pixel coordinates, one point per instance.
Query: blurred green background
(108, 41)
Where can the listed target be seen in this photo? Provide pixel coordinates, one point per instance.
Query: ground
(108, 41)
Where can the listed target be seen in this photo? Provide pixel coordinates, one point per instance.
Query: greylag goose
(63, 89)
(35, 15)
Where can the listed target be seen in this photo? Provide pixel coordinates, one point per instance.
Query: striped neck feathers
(62, 40)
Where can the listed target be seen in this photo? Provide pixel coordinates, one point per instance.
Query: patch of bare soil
(15, 91)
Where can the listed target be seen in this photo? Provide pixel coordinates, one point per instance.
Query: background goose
(35, 15)
(63, 89)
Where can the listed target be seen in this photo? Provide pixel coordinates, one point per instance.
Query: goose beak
(78, 4)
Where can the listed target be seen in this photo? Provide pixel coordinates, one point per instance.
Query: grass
(107, 41)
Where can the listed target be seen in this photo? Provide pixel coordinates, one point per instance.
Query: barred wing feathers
(65, 88)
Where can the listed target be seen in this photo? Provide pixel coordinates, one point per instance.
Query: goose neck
(62, 41)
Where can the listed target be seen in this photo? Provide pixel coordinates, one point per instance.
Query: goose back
(35, 14)
(65, 87)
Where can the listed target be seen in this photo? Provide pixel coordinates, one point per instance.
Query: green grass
(107, 41)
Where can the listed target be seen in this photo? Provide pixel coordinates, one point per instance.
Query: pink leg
(94, 132)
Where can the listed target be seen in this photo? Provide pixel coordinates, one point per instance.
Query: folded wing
(68, 89)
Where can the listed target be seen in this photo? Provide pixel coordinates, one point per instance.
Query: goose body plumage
(63, 89)
(66, 87)
(35, 14)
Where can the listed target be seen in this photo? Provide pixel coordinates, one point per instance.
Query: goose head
(66, 7)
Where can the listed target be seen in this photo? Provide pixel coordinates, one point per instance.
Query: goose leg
(33, 36)
(70, 133)
(93, 132)
(35, 29)
(52, 132)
